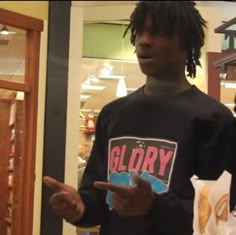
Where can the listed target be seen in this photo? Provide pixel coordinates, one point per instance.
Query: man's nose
(145, 39)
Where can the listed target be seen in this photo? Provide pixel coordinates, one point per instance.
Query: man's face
(158, 54)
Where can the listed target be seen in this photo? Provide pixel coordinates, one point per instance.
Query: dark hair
(171, 18)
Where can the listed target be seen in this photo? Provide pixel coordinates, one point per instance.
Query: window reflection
(12, 53)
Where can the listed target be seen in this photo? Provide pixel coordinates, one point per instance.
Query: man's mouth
(145, 59)
(145, 56)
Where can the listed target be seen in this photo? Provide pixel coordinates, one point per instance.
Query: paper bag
(211, 206)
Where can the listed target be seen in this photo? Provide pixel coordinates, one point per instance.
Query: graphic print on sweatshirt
(153, 159)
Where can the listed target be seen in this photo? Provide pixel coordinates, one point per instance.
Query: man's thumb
(145, 184)
(53, 184)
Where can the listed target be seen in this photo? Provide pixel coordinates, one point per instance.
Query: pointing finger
(53, 184)
(112, 187)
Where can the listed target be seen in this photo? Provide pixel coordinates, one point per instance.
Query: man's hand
(65, 202)
(130, 201)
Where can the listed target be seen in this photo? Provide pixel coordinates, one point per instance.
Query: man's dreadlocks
(172, 18)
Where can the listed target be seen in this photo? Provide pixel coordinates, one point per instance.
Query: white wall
(73, 104)
(40, 129)
(228, 8)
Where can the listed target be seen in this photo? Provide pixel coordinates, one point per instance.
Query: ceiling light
(230, 85)
(5, 31)
(84, 97)
(91, 79)
(92, 87)
(106, 70)
(121, 88)
(229, 104)
(113, 76)
(94, 79)
(87, 81)
(223, 76)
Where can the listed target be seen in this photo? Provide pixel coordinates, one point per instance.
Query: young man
(150, 143)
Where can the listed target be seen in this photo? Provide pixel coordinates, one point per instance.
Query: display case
(11, 128)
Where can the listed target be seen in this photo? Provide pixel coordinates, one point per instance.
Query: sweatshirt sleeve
(94, 199)
(217, 153)
(173, 214)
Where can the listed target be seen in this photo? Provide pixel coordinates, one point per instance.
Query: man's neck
(165, 87)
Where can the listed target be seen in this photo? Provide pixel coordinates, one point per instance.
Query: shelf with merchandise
(8, 220)
(10, 169)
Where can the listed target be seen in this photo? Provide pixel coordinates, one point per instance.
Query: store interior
(105, 74)
(108, 76)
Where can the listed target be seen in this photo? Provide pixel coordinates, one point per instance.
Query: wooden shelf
(11, 169)
(12, 125)
(12, 155)
(9, 203)
(8, 220)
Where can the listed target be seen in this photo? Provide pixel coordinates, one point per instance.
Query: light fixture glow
(229, 85)
(121, 88)
(84, 97)
(106, 70)
(112, 76)
(229, 104)
(4, 31)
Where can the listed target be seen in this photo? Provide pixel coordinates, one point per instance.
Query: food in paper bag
(211, 205)
(204, 208)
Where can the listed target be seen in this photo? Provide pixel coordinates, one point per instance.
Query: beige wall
(37, 9)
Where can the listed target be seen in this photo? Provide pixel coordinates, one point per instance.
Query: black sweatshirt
(165, 139)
